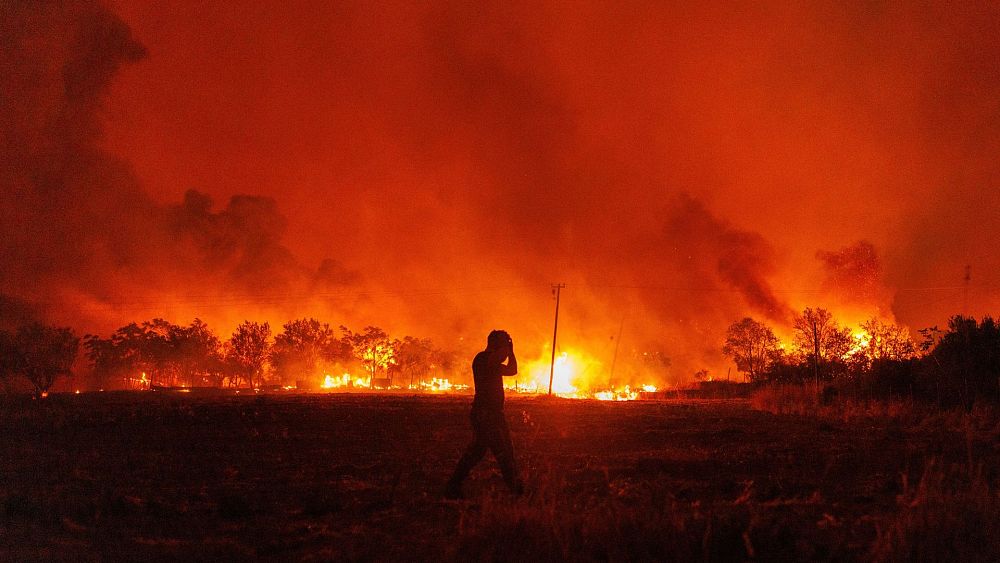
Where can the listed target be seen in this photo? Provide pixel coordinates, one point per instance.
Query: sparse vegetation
(347, 477)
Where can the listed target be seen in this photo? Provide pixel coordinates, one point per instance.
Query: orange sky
(679, 167)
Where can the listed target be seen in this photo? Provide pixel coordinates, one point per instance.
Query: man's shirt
(489, 382)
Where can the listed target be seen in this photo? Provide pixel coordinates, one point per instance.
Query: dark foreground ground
(334, 477)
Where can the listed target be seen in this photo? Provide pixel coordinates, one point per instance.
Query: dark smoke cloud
(79, 231)
(741, 260)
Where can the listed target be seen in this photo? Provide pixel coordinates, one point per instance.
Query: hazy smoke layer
(81, 240)
(677, 166)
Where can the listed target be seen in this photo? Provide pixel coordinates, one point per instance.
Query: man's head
(498, 340)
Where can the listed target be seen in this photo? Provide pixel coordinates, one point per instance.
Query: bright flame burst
(341, 381)
(861, 341)
(624, 394)
(566, 375)
(575, 375)
(440, 384)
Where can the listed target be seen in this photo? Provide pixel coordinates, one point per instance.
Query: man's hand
(511, 367)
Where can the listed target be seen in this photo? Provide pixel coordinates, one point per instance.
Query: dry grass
(786, 399)
(146, 477)
(953, 511)
(552, 526)
(808, 401)
(952, 514)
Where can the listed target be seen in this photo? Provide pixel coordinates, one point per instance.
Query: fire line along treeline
(160, 353)
(957, 366)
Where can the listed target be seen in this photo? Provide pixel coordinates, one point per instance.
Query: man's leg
(503, 451)
(473, 454)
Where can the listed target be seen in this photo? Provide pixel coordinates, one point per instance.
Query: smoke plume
(433, 169)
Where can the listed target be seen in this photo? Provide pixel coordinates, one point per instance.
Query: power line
(265, 299)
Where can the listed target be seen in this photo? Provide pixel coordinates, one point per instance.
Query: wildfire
(574, 376)
(565, 376)
(440, 384)
(341, 381)
(626, 393)
(861, 341)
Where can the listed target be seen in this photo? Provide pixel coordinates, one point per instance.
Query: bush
(964, 367)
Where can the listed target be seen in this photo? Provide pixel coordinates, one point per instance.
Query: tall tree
(301, 346)
(45, 353)
(753, 346)
(819, 338)
(105, 359)
(126, 354)
(885, 341)
(373, 349)
(195, 354)
(157, 351)
(133, 356)
(414, 357)
(248, 350)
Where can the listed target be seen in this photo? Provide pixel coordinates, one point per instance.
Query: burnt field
(323, 477)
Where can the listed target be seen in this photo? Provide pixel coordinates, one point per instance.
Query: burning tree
(157, 352)
(819, 339)
(414, 357)
(154, 341)
(885, 341)
(753, 346)
(43, 353)
(374, 349)
(194, 354)
(122, 355)
(247, 352)
(302, 345)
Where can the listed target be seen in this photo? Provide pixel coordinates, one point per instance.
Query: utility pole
(614, 359)
(555, 332)
(815, 354)
(965, 295)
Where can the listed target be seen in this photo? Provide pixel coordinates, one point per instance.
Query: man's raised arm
(511, 367)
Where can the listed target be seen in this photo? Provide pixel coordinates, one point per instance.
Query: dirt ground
(358, 477)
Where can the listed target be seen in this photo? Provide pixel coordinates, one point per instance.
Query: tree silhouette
(414, 357)
(300, 347)
(753, 346)
(886, 341)
(373, 349)
(155, 345)
(247, 352)
(819, 339)
(44, 353)
(194, 354)
(965, 365)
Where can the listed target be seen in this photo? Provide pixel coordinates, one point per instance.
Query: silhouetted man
(489, 426)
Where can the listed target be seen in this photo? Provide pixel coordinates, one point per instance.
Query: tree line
(160, 353)
(958, 365)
